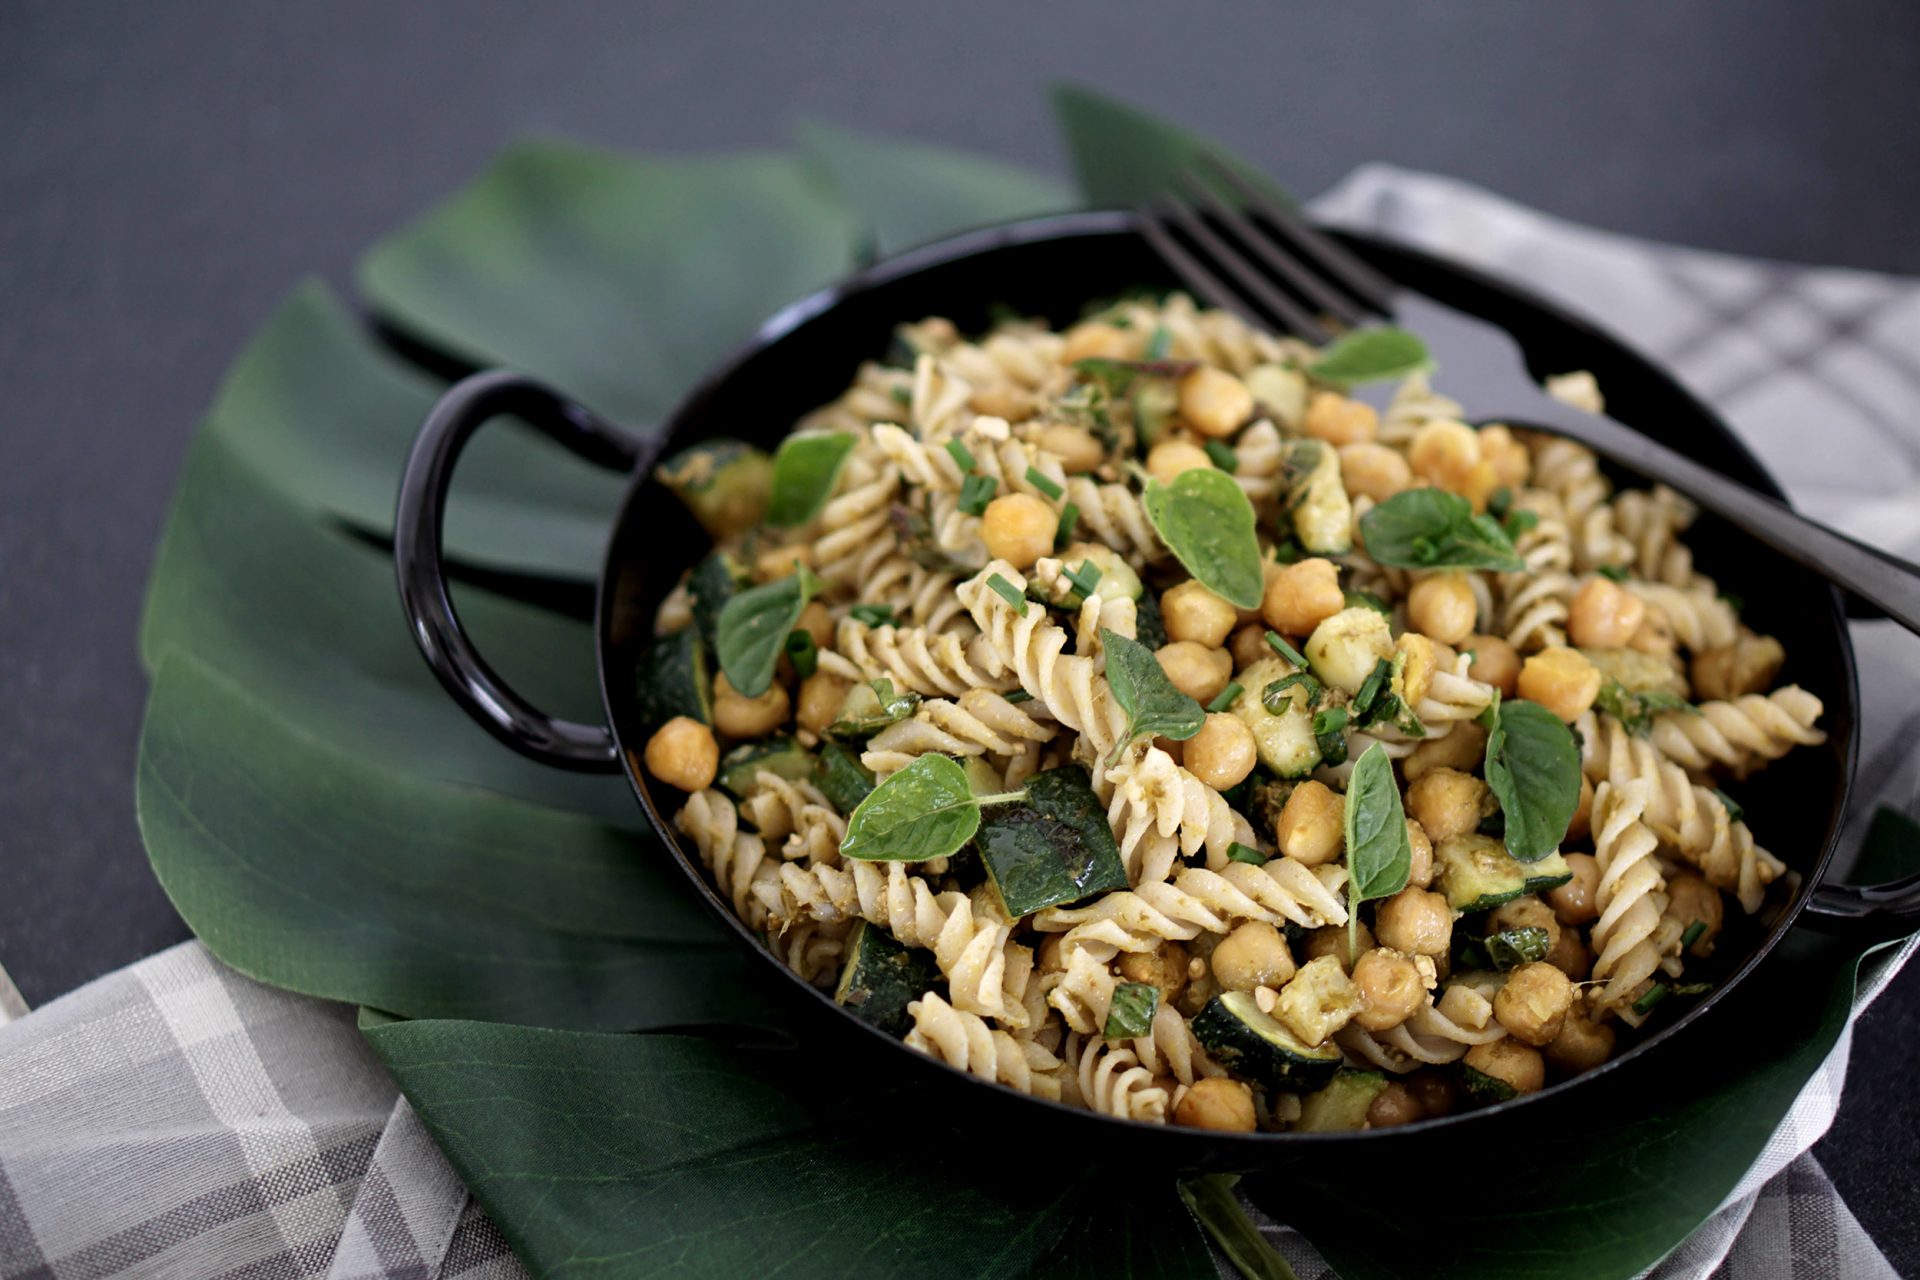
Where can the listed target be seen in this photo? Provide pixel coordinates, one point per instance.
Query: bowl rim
(946, 250)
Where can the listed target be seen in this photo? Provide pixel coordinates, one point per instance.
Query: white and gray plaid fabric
(178, 1120)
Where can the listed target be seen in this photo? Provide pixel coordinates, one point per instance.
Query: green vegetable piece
(926, 810)
(1237, 852)
(1285, 650)
(1156, 406)
(1043, 482)
(1160, 343)
(1379, 856)
(873, 615)
(881, 978)
(1654, 995)
(1482, 1087)
(1636, 709)
(842, 779)
(1281, 721)
(1370, 355)
(1225, 698)
(1433, 529)
(1341, 1104)
(1085, 578)
(1477, 874)
(725, 484)
(1154, 707)
(805, 468)
(1223, 456)
(1368, 600)
(713, 582)
(1507, 949)
(672, 679)
(1533, 768)
(961, 455)
(1207, 522)
(976, 492)
(1130, 1015)
(754, 624)
(1008, 592)
(1069, 517)
(782, 756)
(1277, 700)
(802, 652)
(869, 708)
(1735, 810)
(1260, 1047)
(1612, 572)
(1052, 849)
(1692, 935)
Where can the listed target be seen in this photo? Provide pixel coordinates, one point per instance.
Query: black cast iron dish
(807, 354)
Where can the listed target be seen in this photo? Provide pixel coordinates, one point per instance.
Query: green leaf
(579, 1147)
(1125, 157)
(1636, 710)
(754, 624)
(1370, 355)
(1533, 767)
(1434, 529)
(1207, 522)
(1506, 949)
(804, 470)
(1154, 707)
(1379, 856)
(925, 810)
(1211, 1200)
(619, 279)
(908, 192)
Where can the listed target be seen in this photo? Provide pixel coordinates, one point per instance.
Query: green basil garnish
(1533, 767)
(1369, 355)
(1379, 856)
(926, 810)
(754, 625)
(804, 471)
(1434, 529)
(1130, 1015)
(1154, 707)
(1637, 710)
(1207, 522)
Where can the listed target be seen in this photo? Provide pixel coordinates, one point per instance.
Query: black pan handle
(418, 562)
(1872, 912)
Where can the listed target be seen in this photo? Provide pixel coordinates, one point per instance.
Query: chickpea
(1196, 670)
(1216, 1102)
(1604, 615)
(1514, 1064)
(1391, 988)
(1301, 596)
(1005, 401)
(1582, 1044)
(1462, 749)
(1442, 606)
(1534, 1002)
(1164, 967)
(1019, 529)
(1374, 471)
(818, 623)
(1511, 463)
(1253, 955)
(1170, 457)
(770, 563)
(1332, 941)
(1570, 956)
(1222, 754)
(1420, 864)
(1748, 665)
(1312, 824)
(1078, 450)
(1691, 898)
(683, 754)
(1561, 680)
(1191, 612)
(1577, 902)
(1248, 646)
(1415, 921)
(1094, 339)
(1337, 420)
(1448, 803)
(1393, 1105)
(1526, 912)
(1214, 402)
(1434, 1092)
(1446, 454)
(1494, 661)
(1581, 824)
(739, 716)
(822, 694)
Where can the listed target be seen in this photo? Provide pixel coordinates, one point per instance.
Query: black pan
(807, 354)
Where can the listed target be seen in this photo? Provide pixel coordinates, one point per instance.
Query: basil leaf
(754, 625)
(1207, 522)
(1434, 529)
(926, 810)
(1637, 710)
(1533, 767)
(804, 470)
(1131, 1012)
(1369, 355)
(1379, 856)
(1154, 707)
(1507, 949)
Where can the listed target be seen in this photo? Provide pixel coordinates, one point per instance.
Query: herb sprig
(1154, 707)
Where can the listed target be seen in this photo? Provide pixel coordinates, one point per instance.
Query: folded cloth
(178, 1120)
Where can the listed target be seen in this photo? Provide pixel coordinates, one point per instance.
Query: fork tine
(1194, 275)
(1359, 279)
(1294, 317)
(1264, 246)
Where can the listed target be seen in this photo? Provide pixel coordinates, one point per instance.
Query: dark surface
(167, 173)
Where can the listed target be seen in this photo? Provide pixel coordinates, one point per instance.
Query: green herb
(1636, 711)
(1735, 810)
(872, 707)
(804, 471)
(1371, 688)
(925, 810)
(1149, 628)
(1115, 377)
(1612, 572)
(1285, 650)
(1655, 994)
(1130, 1015)
(975, 493)
(1207, 522)
(1018, 695)
(1160, 343)
(1533, 767)
(1367, 600)
(1154, 707)
(1329, 734)
(874, 615)
(1224, 699)
(1379, 856)
(1223, 456)
(1008, 592)
(962, 456)
(1499, 502)
(1434, 529)
(1369, 355)
(1692, 935)
(802, 652)
(1275, 697)
(1692, 988)
(1085, 579)
(1044, 483)
(1288, 551)
(753, 626)
(1519, 522)
(1069, 517)
(1507, 949)
(1237, 852)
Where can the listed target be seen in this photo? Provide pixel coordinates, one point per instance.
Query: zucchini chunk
(881, 978)
(672, 679)
(1284, 742)
(1247, 1041)
(711, 584)
(782, 756)
(841, 777)
(1477, 873)
(1482, 1087)
(1053, 848)
(725, 484)
(1318, 507)
(1341, 1104)
(1156, 406)
(1282, 392)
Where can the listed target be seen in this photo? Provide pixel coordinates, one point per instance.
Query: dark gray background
(168, 172)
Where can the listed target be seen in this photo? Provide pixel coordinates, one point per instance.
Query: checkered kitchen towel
(178, 1120)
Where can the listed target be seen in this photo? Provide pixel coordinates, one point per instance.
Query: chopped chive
(1085, 578)
(1018, 695)
(976, 492)
(1735, 810)
(1692, 935)
(1274, 696)
(1008, 592)
(1069, 517)
(874, 615)
(1372, 687)
(1612, 572)
(961, 454)
(1160, 343)
(1285, 650)
(1237, 852)
(1223, 456)
(803, 653)
(1225, 697)
(1330, 721)
(1044, 483)
(1655, 994)
(1692, 988)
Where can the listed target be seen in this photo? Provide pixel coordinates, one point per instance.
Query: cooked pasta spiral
(795, 813)
(736, 859)
(1652, 520)
(1534, 602)
(1571, 473)
(1741, 735)
(914, 658)
(1259, 458)
(1110, 1079)
(980, 723)
(855, 531)
(1111, 513)
(1415, 403)
(1216, 337)
(964, 1040)
(1631, 894)
(1700, 619)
